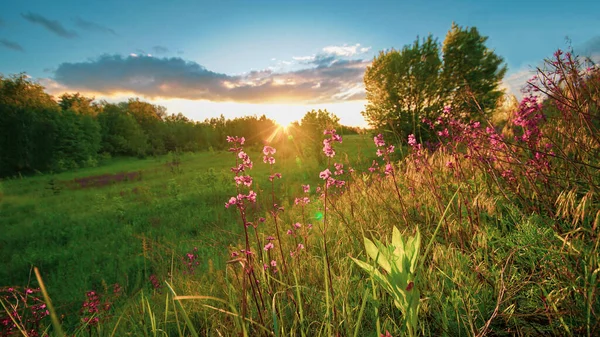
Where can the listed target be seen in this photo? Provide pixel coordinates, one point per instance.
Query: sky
(252, 57)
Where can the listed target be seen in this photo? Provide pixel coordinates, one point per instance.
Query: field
(124, 220)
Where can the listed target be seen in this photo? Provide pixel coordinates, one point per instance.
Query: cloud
(11, 45)
(51, 25)
(346, 50)
(332, 54)
(514, 82)
(332, 81)
(93, 27)
(160, 50)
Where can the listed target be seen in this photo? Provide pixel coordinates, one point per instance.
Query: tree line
(41, 134)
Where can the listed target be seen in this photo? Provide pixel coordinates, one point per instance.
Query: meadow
(490, 231)
(125, 220)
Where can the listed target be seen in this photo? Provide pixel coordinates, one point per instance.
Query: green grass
(489, 266)
(90, 238)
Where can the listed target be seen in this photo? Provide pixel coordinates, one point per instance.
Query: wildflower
(246, 180)
(269, 246)
(411, 140)
(300, 246)
(327, 149)
(252, 196)
(297, 225)
(232, 201)
(273, 176)
(273, 263)
(389, 169)
(325, 174)
(379, 140)
(267, 150)
(306, 188)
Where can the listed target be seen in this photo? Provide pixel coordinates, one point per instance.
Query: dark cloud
(93, 27)
(160, 50)
(51, 25)
(177, 78)
(11, 45)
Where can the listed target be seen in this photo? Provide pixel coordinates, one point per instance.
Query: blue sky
(280, 58)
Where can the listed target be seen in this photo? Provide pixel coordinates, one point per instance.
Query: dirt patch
(104, 180)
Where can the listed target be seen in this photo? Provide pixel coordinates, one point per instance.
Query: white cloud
(346, 50)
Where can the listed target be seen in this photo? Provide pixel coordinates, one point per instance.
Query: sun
(284, 120)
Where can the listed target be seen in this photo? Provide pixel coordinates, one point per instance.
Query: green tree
(121, 133)
(28, 126)
(79, 104)
(403, 87)
(310, 131)
(471, 74)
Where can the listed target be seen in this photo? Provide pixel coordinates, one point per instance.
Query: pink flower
(412, 141)
(325, 174)
(246, 180)
(267, 150)
(297, 225)
(306, 188)
(327, 149)
(379, 140)
(252, 196)
(300, 246)
(273, 263)
(269, 246)
(232, 201)
(389, 169)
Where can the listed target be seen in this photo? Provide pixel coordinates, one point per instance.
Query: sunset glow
(206, 59)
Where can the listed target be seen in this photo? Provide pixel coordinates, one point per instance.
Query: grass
(90, 238)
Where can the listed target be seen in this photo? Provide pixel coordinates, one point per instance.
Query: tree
(403, 87)
(472, 73)
(28, 124)
(310, 131)
(79, 104)
(121, 134)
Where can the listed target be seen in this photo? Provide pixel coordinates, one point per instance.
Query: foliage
(399, 262)
(471, 73)
(406, 87)
(403, 87)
